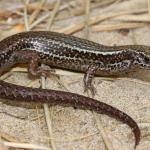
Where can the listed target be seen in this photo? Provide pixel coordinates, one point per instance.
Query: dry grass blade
(34, 5)
(53, 14)
(32, 83)
(111, 27)
(47, 116)
(46, 108)
(144, 124)
(49, 125)
(87, 15)
(111, 7)
(44, 17)
(77, 10)
(26, 16)
(72, 139)
(136, 81)
(12, 115)
(106, 140)
(105, 3)
(103, 133)
(149, 7)
(6, 75)
(137, 18)
(36, 11)
(38, 21)
(37, 118)
(130, 17)
(26, 146)
(19, 69)
(8, 137)
(45, 105)
(96, 19)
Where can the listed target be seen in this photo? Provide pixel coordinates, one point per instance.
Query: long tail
(20, 93)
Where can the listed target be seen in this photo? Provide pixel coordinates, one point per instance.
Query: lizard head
(142, 60)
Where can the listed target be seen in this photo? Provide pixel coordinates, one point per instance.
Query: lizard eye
(146, 59)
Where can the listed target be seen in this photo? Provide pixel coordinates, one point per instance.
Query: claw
(91, 89)
(88, 77)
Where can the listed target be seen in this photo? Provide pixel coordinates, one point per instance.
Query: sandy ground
(77, 129)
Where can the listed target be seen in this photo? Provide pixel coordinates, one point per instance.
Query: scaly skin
(14, 92)
(72, 53)
(68, 52)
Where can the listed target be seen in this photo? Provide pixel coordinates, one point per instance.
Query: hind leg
(88, 78)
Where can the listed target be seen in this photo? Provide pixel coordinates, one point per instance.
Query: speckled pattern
(53, 97)
(63, 51)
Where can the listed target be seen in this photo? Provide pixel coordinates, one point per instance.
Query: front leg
(33, 60)
(88, 77)
(35, 70)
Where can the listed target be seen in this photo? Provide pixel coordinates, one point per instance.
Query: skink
(72, 53)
